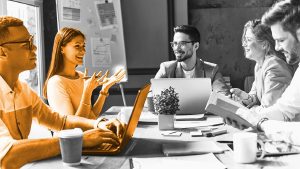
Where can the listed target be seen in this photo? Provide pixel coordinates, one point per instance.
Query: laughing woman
(66, 88)
(272, 73)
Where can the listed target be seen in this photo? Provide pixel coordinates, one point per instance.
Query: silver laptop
(193, 92)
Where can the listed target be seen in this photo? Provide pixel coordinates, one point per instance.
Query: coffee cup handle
(263, 153)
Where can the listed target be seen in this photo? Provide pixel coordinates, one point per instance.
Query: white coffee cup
(245, 147)
(125, 114)
(70, 142)
(150, 102)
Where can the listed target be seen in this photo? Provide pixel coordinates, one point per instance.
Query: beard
(292, 59)
(293, 56)
(181, 57)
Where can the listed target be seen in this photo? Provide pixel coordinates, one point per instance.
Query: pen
(215, 133)
(172, 132)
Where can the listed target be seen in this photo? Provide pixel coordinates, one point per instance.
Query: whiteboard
(101, 22)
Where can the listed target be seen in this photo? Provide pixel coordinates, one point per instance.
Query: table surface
(147, 142)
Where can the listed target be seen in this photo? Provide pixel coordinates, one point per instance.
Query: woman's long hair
(63, 36)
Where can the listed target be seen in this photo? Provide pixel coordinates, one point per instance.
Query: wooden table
(147, 142)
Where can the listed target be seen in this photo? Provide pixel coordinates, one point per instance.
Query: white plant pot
(166, 122)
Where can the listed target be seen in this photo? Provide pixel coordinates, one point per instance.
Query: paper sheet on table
(191, 148)
(189, 117)
(190, 162)
(191, 124)
(148, 116)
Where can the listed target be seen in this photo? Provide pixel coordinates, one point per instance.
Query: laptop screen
(193, 92)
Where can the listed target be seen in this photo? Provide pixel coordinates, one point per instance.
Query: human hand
(238, 94)
(96, 137)
(94, 81)
(252, 117)
(113, 125)
(116, 78)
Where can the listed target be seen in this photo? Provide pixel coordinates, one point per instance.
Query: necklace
(188, 70)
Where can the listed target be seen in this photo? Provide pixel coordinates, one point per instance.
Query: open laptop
(131, 126)
(193, 92)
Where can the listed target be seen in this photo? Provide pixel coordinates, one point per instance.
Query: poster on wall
(101, 23)
(71, 10)
(101, 56)
(106, 14)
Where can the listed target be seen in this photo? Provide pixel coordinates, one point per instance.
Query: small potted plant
(166, 104)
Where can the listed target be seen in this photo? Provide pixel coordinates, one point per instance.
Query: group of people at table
(273, 42)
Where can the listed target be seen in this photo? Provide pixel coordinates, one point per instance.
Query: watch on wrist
(100, 119)
(258, 126)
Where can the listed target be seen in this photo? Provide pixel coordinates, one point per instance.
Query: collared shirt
(18, 107)
(287, 108)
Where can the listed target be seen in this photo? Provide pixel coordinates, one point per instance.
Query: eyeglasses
(29, 42)
(180, 44)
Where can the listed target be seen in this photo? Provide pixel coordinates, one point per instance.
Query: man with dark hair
(185, 43)
(19, 105)
(284, 21)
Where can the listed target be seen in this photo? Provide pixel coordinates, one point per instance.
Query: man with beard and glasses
(281, 121)
(185, 43)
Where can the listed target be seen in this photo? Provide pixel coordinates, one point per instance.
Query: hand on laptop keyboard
(105, 146)
(114, 125)
(96, 137)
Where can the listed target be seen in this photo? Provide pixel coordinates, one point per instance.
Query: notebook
(132, 124)
(193, 92)
(225, 107)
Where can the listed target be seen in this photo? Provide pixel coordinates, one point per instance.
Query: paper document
(225, 107)
(191, 148)
(190, 162)
(211, 121)
(148, 116)
(190, 117)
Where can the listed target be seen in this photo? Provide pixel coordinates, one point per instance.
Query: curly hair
(262, 33)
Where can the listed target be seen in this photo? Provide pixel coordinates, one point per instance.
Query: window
(30, 11)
